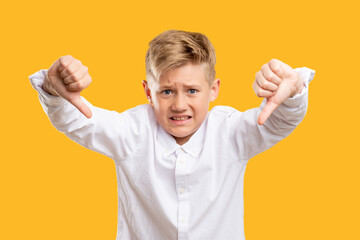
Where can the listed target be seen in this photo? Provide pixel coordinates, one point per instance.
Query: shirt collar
(167, 141)
(193, 146)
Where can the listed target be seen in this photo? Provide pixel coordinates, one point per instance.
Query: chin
(177, 134)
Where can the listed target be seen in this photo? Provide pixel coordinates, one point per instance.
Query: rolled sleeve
(307, 75)
(37, 81)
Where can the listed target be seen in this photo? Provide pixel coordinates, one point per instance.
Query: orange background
(306, 187)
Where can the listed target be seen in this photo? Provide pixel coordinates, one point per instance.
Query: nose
(179, 103)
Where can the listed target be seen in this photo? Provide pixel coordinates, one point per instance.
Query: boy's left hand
(276, 81)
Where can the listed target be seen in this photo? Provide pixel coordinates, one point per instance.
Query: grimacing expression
(181, 98)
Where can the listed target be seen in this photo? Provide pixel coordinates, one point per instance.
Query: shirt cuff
(307, 75)
(37, 80)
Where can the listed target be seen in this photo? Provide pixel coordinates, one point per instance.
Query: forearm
(91, 133)
(253, 138)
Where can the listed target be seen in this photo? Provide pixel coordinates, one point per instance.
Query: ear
(147, 90)
(214, 91)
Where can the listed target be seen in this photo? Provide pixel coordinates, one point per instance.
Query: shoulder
(222, 117)
(141, 115)
(225, 115)
(223, 112)
(140, 110)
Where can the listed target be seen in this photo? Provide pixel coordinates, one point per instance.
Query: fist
(67, 77)
(276, 81)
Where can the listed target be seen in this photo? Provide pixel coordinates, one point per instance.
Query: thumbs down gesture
(276, 81)
(66, 78)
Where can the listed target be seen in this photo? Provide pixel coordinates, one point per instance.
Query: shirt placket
(183, 195)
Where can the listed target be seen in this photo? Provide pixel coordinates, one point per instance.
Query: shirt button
(182, 220)
(181, 161)
(182, 190)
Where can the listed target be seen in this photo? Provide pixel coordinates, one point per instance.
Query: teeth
(180, 118)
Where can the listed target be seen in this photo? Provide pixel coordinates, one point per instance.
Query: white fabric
(167, 191)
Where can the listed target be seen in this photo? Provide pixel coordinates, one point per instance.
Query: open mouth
(180, 118)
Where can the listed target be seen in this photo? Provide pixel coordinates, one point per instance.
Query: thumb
(267, 111)
(59, 86)
(274, 102)
(80, 105)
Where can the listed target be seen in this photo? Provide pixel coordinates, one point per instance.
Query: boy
(180, 168)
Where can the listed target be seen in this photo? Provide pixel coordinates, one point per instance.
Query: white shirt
(167, 191)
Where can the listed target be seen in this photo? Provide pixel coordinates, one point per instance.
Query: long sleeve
(251, 138)
(103, 133)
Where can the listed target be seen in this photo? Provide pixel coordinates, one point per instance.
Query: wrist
(299, 88)
(48, 88)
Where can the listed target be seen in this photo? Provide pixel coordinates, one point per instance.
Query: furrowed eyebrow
(161, 88)
(192, 86)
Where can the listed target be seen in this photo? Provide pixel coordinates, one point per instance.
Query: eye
(167, 92)
(192, 91)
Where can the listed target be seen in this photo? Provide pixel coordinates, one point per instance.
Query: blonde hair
(175, 48)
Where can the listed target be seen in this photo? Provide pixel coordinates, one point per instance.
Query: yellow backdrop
(306, 187)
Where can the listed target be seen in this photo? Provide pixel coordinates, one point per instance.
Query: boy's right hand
(67, 77)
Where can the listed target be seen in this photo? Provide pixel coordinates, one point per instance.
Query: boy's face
(181, 100)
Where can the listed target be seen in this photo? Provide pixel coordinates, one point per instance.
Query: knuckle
(75, 77)
(65, 59)
(271, 78)
(62, 61)
(274, 61)
(275, 68)
(266, 85)
(63, 74)
(69, 58)
(263, 67)
(70, 69)
(80, 85)
(67, 80)
(77, 61)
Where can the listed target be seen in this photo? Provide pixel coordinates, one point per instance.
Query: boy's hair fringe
(175, 48)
